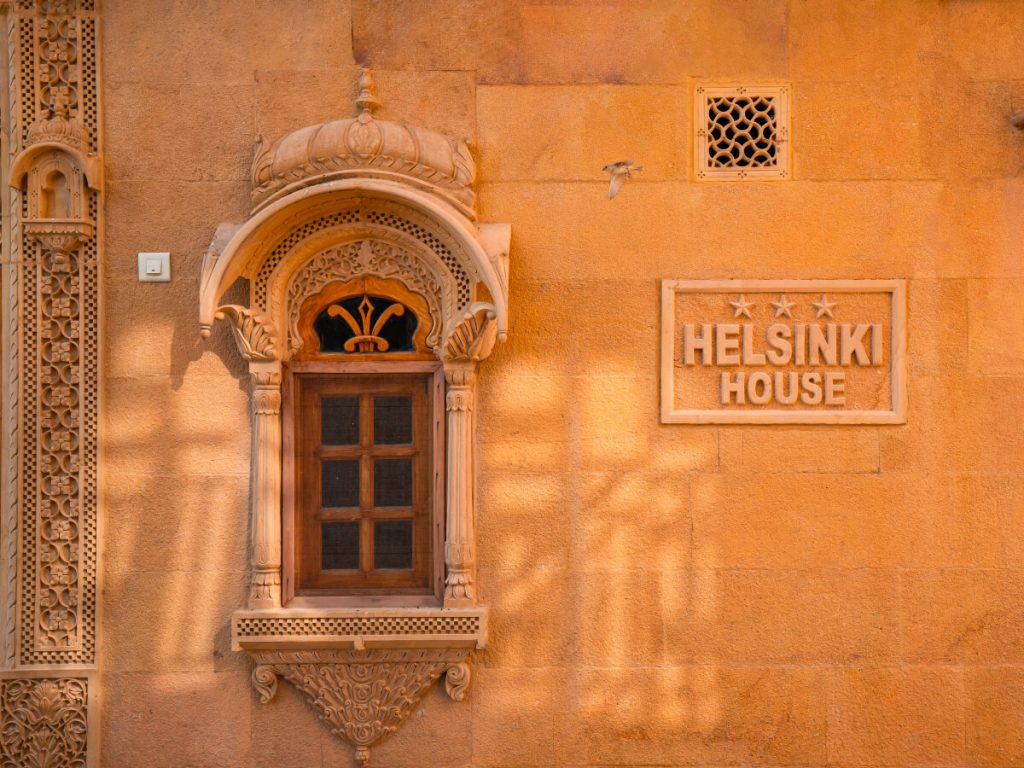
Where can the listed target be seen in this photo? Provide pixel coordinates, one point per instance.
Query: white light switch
(154, 267)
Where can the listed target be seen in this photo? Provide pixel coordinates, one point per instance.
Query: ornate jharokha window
(373, 294)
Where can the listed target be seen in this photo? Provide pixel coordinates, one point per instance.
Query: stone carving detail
(363, 695)
(60, 438)
(50, 416)
(254, 338)
(369, 257)
(456, 681)
(742, 131)
(255, 628)
(53, 289)
(57, 33)
(372, 220)
(43, 723)
(337, 202)
(367, 146)
(474, 336)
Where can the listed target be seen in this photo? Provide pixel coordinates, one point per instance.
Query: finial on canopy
(367, 101)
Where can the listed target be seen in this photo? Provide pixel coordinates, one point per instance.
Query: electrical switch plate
(154, 267)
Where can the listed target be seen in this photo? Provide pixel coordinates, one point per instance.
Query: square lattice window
(742, 132)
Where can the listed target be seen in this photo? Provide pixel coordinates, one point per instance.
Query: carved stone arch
(389, 204)
(244, 250)
(361, 253)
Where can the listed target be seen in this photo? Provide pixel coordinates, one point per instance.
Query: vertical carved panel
(51, 385)
(59, 345)
(11, 326)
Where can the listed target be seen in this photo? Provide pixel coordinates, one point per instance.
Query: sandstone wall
(661, 594)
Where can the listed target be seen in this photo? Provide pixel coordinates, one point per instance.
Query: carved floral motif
(369, 257)
(43, 723)
(58, 43)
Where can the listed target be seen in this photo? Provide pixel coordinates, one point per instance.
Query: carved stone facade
(368, 199)
(51, 381)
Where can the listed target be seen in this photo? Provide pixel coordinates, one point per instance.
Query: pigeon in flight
(619, 172)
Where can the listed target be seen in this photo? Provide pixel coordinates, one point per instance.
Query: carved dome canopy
(365, 146)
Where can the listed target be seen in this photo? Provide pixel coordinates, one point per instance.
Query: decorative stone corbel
(364, 696)
(255, 339)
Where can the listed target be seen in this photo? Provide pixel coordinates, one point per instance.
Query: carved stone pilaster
(364, 696)
(460, 546)
(265, 586)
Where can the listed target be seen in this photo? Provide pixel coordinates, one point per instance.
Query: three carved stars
(783, 307)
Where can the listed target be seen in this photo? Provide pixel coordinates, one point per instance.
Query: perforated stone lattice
(742, 131)
(381, 217)
(358, 626)
(26, 74)
(88, 85)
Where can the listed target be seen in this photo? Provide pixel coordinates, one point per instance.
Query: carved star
(783, 307)
(741, 307)
(823, 306)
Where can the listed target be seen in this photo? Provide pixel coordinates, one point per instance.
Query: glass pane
(392, 544)
(392, 483)
(392, 420)
(339, 485)
(339, 421)
(339, 546)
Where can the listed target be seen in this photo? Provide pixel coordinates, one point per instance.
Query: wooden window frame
(291, 504)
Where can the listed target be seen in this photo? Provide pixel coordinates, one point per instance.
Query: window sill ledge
(358, 628)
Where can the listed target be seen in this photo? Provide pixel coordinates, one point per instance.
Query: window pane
(339, 421)
(392, 420)
(392, 483)
(340, 483)
(339, 546)
(392, 544)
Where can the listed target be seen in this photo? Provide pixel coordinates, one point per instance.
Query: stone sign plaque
(783, 351)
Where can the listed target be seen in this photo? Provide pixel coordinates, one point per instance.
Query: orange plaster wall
(662, 594)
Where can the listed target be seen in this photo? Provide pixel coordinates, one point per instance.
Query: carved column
(257, 344)
(460, 538)
(265, 588)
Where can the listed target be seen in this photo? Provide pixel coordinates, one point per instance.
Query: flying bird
(619, 172)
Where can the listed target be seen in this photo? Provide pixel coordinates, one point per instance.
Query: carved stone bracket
(254, 337)
(364, 696)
